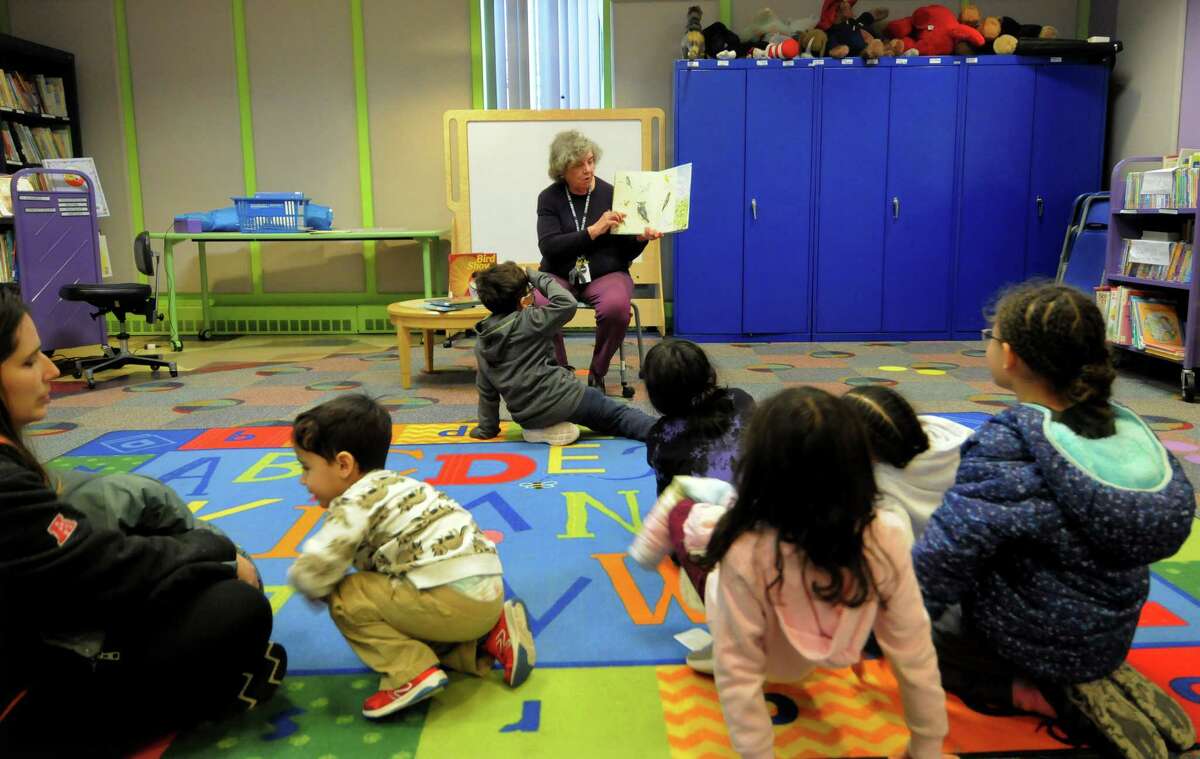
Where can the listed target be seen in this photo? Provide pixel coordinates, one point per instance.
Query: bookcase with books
(1149, 297)
(39, 111)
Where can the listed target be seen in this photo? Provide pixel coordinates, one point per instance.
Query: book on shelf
(1157, 259)
(1175, 187)
(1142, 320)
(53, 95)
(462, 270)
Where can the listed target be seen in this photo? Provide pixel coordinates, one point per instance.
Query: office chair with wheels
(120, 299)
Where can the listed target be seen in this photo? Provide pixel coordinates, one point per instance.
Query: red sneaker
(419, 688)
(511, 642)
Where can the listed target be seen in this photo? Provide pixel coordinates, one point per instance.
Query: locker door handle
(754, 208)
(895, 208)
(1041, 206)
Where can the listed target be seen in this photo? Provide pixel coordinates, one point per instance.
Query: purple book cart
(58, 243)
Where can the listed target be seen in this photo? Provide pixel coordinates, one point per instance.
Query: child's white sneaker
(563, 433)
(701, 660)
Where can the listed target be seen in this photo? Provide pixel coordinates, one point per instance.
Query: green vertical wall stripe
(1083, 18)
(606, 31)
(725, 11)
(246, 117)
(476, 54)
(133, 173)
(363, 127)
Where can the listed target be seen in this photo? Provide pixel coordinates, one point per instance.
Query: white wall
(1146, 81)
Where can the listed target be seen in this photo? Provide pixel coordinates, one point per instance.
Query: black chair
(120, 299)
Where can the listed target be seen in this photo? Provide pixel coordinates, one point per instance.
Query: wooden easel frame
(646, 271)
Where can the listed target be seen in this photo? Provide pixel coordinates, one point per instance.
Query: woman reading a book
(575, 225)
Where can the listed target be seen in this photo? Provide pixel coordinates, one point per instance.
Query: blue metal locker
(919, 250)
(997, 139)
(853, 144)
(1068, 146)
(710, 133)
(778, 201)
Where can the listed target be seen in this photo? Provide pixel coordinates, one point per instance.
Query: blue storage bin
(271, 212)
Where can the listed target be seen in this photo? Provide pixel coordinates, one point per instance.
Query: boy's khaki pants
(400, 631)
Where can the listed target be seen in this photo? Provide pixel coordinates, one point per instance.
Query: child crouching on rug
(808, 568)
(428, 591)
(516, 362)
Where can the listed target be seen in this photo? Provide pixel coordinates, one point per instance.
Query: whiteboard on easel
(507, 165)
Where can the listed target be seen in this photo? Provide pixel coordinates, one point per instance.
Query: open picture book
(656, 199)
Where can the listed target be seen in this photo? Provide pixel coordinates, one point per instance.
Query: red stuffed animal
(933, 30)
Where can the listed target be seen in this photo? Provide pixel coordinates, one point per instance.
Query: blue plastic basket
(271, 212)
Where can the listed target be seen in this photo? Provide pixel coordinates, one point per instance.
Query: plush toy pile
(839, 32)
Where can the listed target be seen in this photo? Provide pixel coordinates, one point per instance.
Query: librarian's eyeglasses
(988, 334)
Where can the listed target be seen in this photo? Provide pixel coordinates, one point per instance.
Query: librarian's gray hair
(568, 148)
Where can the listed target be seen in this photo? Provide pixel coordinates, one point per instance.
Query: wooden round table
(412, 315)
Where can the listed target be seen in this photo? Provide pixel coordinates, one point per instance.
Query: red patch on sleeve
(62, 528)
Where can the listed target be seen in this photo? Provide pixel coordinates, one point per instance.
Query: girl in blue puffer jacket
(1037, 561)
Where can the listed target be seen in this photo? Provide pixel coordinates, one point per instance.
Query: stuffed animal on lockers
(811, 40)
(719, 42)
(848, 34)
(1011, 26)
(993, 40)
(693, 39)
(789, 48)
(932, 30)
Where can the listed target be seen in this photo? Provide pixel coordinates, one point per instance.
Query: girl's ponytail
(1090, 413)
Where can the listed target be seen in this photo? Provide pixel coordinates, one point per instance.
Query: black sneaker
(262, 683)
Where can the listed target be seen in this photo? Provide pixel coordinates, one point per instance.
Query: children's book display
(656, 199)
(1150, 291)
(1175, 185)
(462, 271)
(1142, 320)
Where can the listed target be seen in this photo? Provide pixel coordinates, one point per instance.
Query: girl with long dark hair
(807, 569)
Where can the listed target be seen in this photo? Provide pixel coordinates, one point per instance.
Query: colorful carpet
(610, 680)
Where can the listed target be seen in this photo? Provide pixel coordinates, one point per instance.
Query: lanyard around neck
(579, 223)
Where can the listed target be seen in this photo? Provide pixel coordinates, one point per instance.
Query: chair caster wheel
(91, 379)
(448, 344)
(154, 369)
(205, 335)
(626, 391)
(176, 345)
(1188, 381)
(174, 371)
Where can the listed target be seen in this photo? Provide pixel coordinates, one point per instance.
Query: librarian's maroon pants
(610, 296)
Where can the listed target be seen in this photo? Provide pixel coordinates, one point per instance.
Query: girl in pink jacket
(809, 568)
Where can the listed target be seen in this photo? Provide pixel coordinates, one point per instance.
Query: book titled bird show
(656, 199)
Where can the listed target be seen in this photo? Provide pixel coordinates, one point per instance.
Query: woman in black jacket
(575, 224)
(184, 625)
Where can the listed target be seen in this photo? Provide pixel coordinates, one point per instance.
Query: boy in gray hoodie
(516, 362)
